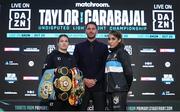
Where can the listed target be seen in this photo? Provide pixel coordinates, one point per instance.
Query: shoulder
(123, 54)
(53, 53)
(80, 44)
(101, 44)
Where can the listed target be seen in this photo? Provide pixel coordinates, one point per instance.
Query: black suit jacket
(90, 58)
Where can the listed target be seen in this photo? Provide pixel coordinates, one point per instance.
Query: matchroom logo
(19, 18)
(163, 20)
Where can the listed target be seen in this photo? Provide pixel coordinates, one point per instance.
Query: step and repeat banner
(29, 30)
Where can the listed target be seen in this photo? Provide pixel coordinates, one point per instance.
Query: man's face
(91, 31)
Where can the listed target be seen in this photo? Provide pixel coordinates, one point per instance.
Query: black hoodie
(119, 73)
(58, 59)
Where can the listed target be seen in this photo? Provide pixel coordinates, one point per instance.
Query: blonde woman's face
(113, 41)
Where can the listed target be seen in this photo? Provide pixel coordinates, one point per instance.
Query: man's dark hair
(91, 23)
(63, 35)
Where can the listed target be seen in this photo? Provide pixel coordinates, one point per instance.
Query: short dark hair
(62, 35)
(91, 23)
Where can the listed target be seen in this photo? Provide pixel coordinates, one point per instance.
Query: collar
(119, 46)
(61, 53)
(91, 43)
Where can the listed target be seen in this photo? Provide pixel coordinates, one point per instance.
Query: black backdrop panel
(29, 29)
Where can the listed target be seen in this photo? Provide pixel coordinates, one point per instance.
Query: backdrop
(29, 29)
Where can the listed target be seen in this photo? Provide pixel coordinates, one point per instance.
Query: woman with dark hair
(59, 58)
(118, 73)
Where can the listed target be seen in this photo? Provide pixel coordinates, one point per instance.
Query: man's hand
(90, 82)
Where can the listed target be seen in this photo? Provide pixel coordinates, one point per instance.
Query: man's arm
(100, 74)
(76, 55)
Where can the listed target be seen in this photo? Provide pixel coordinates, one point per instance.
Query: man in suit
(90, 57)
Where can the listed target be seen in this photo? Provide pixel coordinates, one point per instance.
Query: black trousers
(58, 105)
(98, 99)
(116, 101)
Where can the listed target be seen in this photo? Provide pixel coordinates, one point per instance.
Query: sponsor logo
(30, 78)
(91, 106)
(133, 64)
(116, 99)
(148, 50)
(167, 50)
(10, 92)
(163, 20)
(50, 48)
(10, 77)
(71, 49)
(7, 49)
(59, 58)
(11, 63)
(148, 78)
(148, 94)
(91, 4)
(128, 48)
(167, 64)
(167, 78)
(130, 94)
(148, 65)
(134, 79)
(30, 93)
(31, 49)
(31, 63)
(19, 16)
(167, 93)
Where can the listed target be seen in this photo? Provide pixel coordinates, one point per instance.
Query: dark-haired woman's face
(113, 41)
(63, 43)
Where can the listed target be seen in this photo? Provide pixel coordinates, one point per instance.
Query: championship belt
(45, 89)
(62, 71)
(66, 83)
(63, 83)
(78, 89)
(63, 96)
